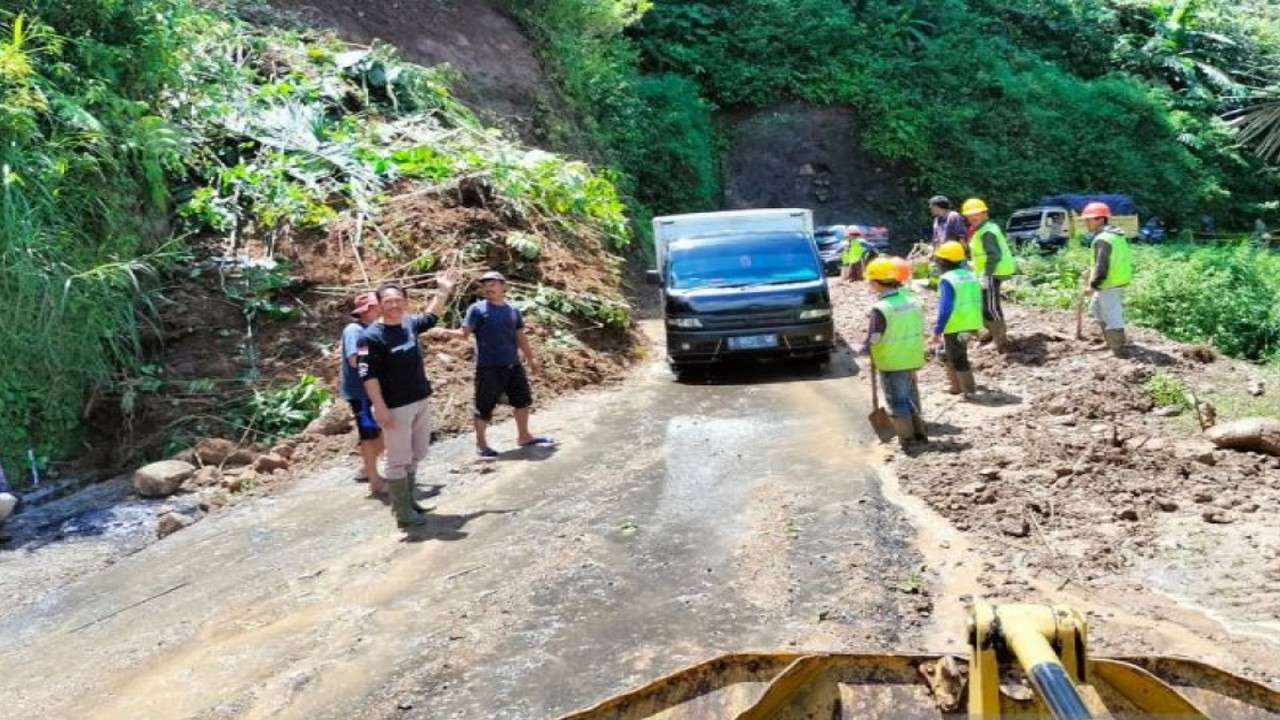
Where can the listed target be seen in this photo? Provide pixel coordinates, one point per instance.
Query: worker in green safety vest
(896, 343)
(854, 257)
(959, 315)
(992, 263)
(1112, 271)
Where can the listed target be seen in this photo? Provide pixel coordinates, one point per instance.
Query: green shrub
(1228, 296)
(284, 410)
(1167, 390)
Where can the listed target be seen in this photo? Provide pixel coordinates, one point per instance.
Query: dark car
(831, 243)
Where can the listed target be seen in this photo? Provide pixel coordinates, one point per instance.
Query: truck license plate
(753, 342)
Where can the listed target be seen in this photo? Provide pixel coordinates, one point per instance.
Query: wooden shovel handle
(875, 386)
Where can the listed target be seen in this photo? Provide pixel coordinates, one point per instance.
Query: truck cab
(742, 284)
(1055, 222)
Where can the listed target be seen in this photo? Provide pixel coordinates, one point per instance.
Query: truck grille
(729, 322)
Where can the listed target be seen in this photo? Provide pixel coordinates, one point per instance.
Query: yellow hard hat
(972, 206)
(950, 250)
(882, 268)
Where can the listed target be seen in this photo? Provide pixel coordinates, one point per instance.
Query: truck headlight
(684, 322)
(815, 314)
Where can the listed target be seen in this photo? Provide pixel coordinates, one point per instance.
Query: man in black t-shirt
(391, 367)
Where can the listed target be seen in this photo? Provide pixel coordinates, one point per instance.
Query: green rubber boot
(402, 503)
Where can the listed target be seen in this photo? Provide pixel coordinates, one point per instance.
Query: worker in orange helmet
(1112, 271)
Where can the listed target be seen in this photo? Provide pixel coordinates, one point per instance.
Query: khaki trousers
(407, 440)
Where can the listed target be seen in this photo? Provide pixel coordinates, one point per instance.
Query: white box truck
(742, 283)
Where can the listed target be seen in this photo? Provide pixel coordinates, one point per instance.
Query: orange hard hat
(904, 269)
(1095, 210)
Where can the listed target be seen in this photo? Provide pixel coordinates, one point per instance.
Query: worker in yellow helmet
(896, 343)
(992, 263)
(959, 314)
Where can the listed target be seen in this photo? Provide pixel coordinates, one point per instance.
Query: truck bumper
(689, 347)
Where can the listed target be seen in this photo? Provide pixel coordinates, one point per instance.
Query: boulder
(172, 522)
(1257, 434)
(162, 479)
(337, 420)
(269, 463)
(207, 476)
(214, 451)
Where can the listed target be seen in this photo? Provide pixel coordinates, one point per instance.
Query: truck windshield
(1024, 221)
(727, 262)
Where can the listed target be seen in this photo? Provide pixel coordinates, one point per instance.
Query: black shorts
(494, 382)
(366, 426)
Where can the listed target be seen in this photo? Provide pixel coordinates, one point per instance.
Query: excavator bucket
(1025, 661)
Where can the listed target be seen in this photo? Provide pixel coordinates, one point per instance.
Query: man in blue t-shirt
(352, 390)
(498, 327)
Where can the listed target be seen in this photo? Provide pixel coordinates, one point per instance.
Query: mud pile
(1065, 472)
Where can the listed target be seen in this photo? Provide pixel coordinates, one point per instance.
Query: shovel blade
(882, 424)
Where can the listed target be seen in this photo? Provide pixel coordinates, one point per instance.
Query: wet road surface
(675, 522)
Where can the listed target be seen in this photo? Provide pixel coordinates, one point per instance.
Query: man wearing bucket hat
(364, 312)
(498, 327)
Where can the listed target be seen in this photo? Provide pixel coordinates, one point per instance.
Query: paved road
(675, 522)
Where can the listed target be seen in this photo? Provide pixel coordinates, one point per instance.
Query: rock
(337, 420)
(186, 456)
(1064, 421)
(270, 462)
(1005, 455)
(972, 488)
(1127, 514)
(1165, 504)
(207, 476)
(1251, 507)
(446, 360)
(1257, 387)
(213, 499)
(172, 522)
(214, 451)
(1167, 411)
(1059, 405)
(241, 457)
(284, 450)
(161, 479)
(1099, 428)
(989, 473)
(1218, 517)
(1014, 526)
(1257, 434)
(1202, 496)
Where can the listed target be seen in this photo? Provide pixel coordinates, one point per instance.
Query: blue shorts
(366, 426)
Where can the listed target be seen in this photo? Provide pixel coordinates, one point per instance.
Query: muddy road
(674, 522)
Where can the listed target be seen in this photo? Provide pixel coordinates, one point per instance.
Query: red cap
(364, 303)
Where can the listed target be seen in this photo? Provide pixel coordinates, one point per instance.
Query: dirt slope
(501, 74)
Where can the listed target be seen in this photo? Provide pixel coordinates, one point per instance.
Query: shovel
(879, 417)
(1084, 292)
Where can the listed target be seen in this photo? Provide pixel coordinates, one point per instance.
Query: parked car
(831, 241)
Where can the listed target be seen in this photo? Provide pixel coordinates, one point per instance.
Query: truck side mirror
(652, 277)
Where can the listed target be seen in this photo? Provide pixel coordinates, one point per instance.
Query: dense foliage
(1005, 100)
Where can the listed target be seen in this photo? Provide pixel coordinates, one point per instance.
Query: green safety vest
(901, 347)
(1006, 266)
(966, 311)
(1120, 270)
(853, 253)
